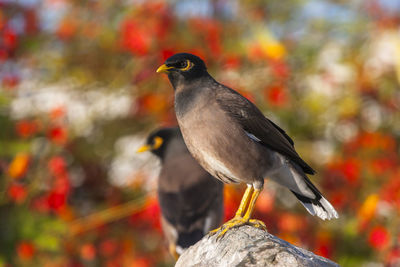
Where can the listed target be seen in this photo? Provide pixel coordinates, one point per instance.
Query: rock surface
(249, 246)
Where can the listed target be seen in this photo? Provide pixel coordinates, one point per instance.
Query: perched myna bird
(233, 141)
(191, 200)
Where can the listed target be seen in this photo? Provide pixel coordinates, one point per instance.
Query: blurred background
(79, 93)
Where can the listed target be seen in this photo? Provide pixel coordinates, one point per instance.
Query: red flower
(148, 216)
(31, 21)
(58, 135)
(108, 247)
(393, 257)
(10, 81)
(390, 192)
(324, 245)
(26, 128)
(351, 170)
(17, 193)
(339, 199)
(277, 96)
(324, 250)
(3, 55)
(279, 69)
(135, 38)
(56, 200)
(57, 166)
(379, 238)
(25, 250)
(383, 164)
(232, 62)
(9, 39)
(210, 30)
(41, 204)
(166, 53)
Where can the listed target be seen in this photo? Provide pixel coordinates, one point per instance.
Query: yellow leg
(172, 251)
(238, 220)
(240, 210)
(244, 201)
(249, 211)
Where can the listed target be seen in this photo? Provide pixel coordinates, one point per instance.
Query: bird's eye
(185, 65)
(182, 64)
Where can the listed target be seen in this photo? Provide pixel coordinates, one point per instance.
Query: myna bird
(191, 200)
(233, 141)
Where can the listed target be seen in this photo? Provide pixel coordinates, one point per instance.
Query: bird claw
(236, 222)
(257, 224)
(232, 223)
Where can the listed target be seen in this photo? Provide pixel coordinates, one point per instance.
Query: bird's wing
(256, 125)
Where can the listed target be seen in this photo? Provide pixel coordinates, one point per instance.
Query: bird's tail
(318, 206)
(292, 176)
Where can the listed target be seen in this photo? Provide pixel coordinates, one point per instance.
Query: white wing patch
(252, 136)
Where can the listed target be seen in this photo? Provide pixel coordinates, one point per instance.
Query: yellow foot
(236, 222)
(257, 224)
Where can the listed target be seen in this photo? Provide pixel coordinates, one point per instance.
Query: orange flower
(19, 166)
(141, 262)
(88, 252)
(368, 208)
(265, 202)
(152, 103)
(57, 112)
(67, 29)
(274, 50)
(289, 223)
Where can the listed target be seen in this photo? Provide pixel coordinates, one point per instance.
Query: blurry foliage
(79, 90)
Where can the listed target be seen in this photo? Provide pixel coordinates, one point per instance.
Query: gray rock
(248, 246)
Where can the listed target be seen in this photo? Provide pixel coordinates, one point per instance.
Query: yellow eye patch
(158, 141)
(189, 65)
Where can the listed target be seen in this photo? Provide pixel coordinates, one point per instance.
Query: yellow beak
(164, 68)
(143, 149)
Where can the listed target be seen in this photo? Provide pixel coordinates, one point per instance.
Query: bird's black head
(159, 140)
(183, 68)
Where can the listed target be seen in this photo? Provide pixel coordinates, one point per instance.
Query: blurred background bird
(235, 142)
(78, 88)
(191, 200)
